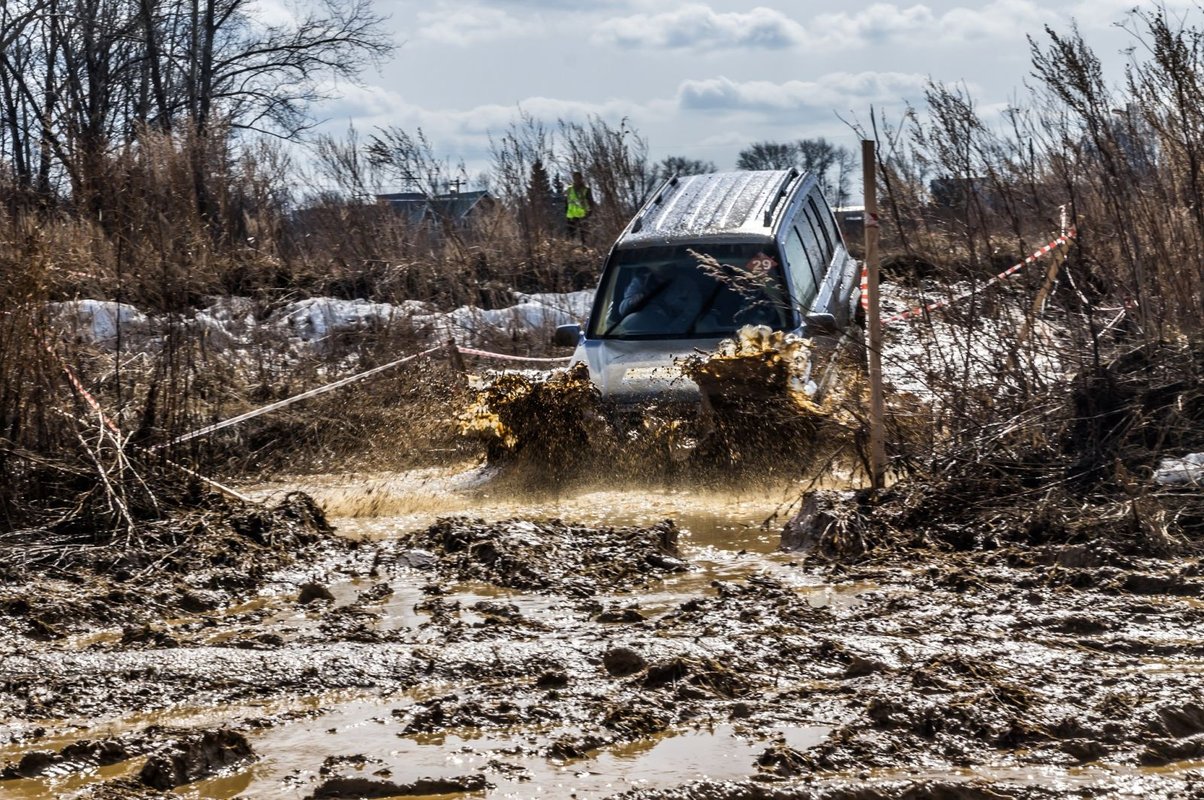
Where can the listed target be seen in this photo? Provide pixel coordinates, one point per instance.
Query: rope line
(288, 401)
(504, 357)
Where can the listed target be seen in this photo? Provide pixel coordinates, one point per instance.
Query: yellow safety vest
(578, 204)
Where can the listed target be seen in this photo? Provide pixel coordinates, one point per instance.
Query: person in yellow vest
(578, 205)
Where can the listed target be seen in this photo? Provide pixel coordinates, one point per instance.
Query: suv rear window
(691, 291)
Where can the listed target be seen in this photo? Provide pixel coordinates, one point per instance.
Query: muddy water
(725, 537)
(694, 658)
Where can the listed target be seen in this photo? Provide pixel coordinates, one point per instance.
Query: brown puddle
(730, 661)
(722, 536)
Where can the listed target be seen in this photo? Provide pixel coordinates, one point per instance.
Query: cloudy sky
(696, 79)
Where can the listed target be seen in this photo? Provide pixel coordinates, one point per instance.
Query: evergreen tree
(540, 199)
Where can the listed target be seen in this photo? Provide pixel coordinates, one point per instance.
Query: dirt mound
(543, 556)
(356, 787)
(175, 756)
(189, 756)
(877, 790)
(52, 583)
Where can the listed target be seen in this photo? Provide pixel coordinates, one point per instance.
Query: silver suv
(707, 255)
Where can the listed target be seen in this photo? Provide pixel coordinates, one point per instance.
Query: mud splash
(540, 419)
(773, 399)
(770, 404)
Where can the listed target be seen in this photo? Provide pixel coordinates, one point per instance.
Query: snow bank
(100, 321)
(310, 323)
(924, 357)
(1185, 471)
(532, 312)
(317, 318)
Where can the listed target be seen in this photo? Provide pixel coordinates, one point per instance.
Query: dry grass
(1133, 182)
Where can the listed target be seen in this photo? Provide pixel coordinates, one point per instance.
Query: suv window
(694, 290)
(817, 247)
(804, 275)
(819, 207)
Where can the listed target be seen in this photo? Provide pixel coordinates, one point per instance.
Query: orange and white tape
(1007, 273)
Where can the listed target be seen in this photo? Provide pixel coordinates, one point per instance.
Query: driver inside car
(659, 299)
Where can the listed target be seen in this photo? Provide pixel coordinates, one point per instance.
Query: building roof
(417, 206)
(716, 204)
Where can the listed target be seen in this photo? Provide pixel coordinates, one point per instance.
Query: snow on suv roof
(719, 204)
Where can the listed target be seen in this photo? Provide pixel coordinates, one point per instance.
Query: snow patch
(1185, 471)
(316, 318)
(230, 322)
(100, 321)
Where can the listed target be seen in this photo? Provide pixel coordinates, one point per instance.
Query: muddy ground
(266, 655)
(1019, 619)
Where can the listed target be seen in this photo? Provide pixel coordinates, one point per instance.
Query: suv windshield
(686, 291)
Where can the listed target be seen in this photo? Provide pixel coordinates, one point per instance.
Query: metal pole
(873, 322)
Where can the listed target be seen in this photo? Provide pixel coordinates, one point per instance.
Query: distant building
(458, 208)
(852, 223)
(950, 192)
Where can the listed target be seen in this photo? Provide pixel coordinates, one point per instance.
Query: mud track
(534, 657)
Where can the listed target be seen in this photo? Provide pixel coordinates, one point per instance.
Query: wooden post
(1056, 257)
(455, 359)
(873, 318)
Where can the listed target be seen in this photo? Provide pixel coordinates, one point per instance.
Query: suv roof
(720, 204)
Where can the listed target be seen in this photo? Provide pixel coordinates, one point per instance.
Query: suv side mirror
(567, 335)
(825, 323)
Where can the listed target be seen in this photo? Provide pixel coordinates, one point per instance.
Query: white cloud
(272, 13)
(701, 27)
(350, 101)
(919, 25)
(372, 106)
(999, 19)
(465, 25)
(837, 90)
(1106, 13)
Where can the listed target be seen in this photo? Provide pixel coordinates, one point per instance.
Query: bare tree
(412, 160)
(345, 165)
(80, 80)
(615, 164)
(832, 165)
(520, 175)
(768, 155)
(680, 165)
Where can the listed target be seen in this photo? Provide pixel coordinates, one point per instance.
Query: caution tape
(92, 402)
(330, 387)
(1007, 273)
(121, 441)
(85, 394)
